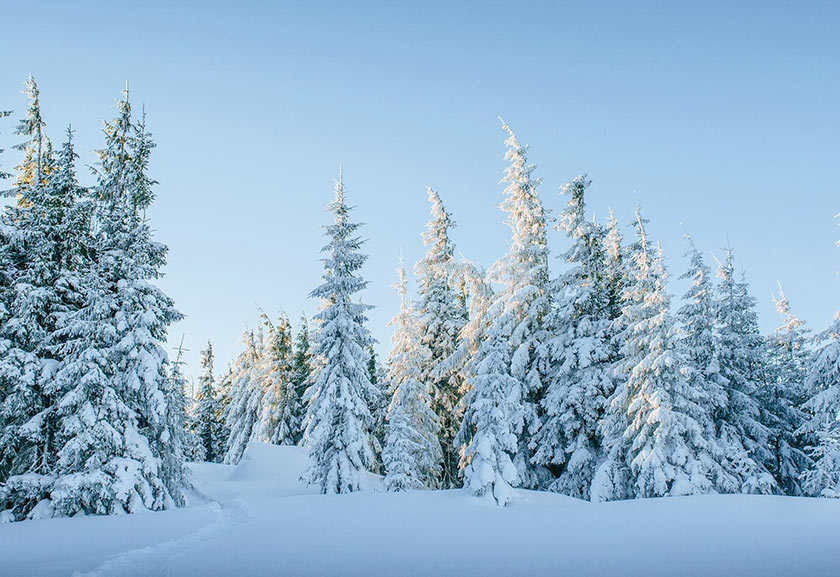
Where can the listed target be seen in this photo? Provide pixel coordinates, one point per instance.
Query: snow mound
(257, 519)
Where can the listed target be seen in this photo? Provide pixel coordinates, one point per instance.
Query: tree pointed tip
(506, 127)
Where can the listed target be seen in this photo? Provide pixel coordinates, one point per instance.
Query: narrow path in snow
(258, 520)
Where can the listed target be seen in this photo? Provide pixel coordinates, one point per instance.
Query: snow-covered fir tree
(412, 452)
(47, 230)
(35, 263)
(339, 419)
(615, 270)
(37, 149)
(581, 353)
(508, 369)
(207, 423)
(6, 283)
(742, 363)
(301, 365)
(380, 409)
(442, 315)
(822, 424)
(280, 406)
(477, 294)
(698, 345)
(244, 408)
(657, 430)
(223, 391)
(116, 448)
(822, 416)
(178, 419)
(782, 395)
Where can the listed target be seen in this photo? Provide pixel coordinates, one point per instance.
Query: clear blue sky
(722, 117)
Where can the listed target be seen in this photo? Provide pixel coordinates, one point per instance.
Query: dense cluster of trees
(587, 382)
(91, 414)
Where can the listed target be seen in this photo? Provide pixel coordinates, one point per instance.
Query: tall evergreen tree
(242, 414)
(581, 353)
(658, 427)
(223, 389)
(782, 395)
(442, 315)
(37, 150)
(338, 419)
(702, 368)
(279, 419)
(822, 411)
(476, 293)
(33, 260)
(822, 424)
(207, 422)
(5, 270)
(301, 376)
(178, 425)
(742, 363)
(48, 228)
(379, 410)
(615, 268)
(509, 367)
(412, 452)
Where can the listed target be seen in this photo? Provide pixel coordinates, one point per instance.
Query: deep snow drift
(256, 519)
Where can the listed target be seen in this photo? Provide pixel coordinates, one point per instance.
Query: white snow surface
(256, 519)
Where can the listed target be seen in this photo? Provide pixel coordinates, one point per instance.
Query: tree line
(586, 382)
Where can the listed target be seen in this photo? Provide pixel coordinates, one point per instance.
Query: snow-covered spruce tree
(223, 392)
(34, 260)
(782, 395)
(37, 149)
(6, 276)
(412, 452)
(48, 229)
(581, 352)
(742, 363)
(822, 424)
(442, 315)
(698, 345)
(657, 428)
(179, 410)
(615, 269)
(117, 451)
(379, 410)
(280, 408)
(822, 411)
(301, 363)
(242, 413)
(476, 294)
(208, 412)
(148, 314)
(338, 418)
(508, 369)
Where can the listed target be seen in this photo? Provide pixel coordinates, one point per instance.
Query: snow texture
(257, 519)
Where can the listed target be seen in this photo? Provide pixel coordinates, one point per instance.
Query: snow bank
(262, 522)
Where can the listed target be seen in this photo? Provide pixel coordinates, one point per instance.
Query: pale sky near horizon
(719, 117)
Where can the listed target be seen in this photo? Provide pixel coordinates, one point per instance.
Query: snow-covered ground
(256, 519)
